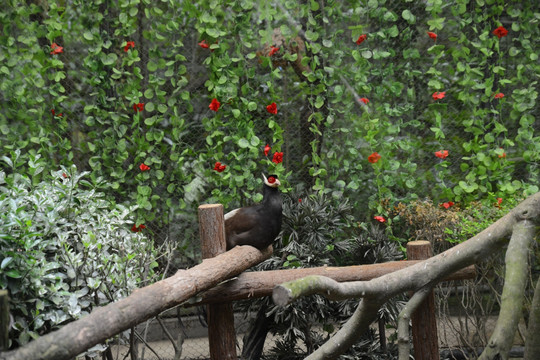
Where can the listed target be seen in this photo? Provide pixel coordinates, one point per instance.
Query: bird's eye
(271, 180)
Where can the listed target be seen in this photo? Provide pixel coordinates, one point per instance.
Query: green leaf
(243, 143)
(88, 35)
(108, 59)
(6, 262)
(151, 66)
(408, 15)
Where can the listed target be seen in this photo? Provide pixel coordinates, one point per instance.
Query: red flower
(361, 39)
(299, 200)
(219, 167)
(272, 108)
(138, 107)
(364, 100)
(500, 32)
(214, 105)
(373, 158)
(267, 149)
(499, 201)
(56, 49)
(273, 50)
(499, 95)
(144, 167)
(432, 35)
(65, 175)
(380, 219)
(129, 44)
(503, 155)
(135, 228)
(204, 44)
(448, 204)
(278, 157)
(438, 95)
(55, 114)
(441, 154)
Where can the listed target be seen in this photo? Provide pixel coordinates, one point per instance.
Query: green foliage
(174, 58)
(65, 251)
(318, 230)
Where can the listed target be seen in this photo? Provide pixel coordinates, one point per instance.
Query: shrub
(65, 250)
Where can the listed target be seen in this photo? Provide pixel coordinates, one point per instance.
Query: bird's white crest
(275, 184)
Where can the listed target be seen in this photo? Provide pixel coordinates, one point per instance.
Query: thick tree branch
(404, 319)
(105, 322)
(515, 280)
(424, 274)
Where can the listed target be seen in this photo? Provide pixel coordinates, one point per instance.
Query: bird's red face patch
(271, 180)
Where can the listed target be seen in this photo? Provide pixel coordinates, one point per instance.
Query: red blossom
(129, 44)
(432, 35)
(273, 50)
(499, 201)
(65, 175)
(364, 100)
(56, 49)
(441, 154)
(267, 149)
(361, 39)
(299, 200)
(55, 114)
(219, 167)
(448, 204)
(503, 155)
(500, 32)
(272, 108)
(278, 157)
(214, 105)
(499, 95)
(438, 95)
(204, 44)
(144, 167)
(380, 219)
(138, 107)
(373, 158)
(135, 228)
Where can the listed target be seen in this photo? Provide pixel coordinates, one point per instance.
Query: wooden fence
(206, 281)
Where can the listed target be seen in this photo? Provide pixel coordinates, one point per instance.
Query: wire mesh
(86, 104)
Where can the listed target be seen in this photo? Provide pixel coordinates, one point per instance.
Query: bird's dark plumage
(256, 225)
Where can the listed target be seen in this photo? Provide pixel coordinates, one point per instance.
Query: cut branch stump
(221, 333)
(424, 323)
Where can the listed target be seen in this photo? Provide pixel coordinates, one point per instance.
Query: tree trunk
(261, 283)
(515, 281)
(532, 343)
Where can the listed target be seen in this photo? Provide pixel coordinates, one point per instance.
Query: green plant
(65, 250)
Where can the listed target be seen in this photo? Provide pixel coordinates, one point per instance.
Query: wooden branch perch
(105, 322)
(261, 283)
(515, 281)
(413, 278)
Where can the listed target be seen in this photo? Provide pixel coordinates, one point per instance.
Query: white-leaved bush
(65, 249)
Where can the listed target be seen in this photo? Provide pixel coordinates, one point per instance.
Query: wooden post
(4, 320)
(424, 323)
(221, 333)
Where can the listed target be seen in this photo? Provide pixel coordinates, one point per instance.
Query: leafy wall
(447, 102)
